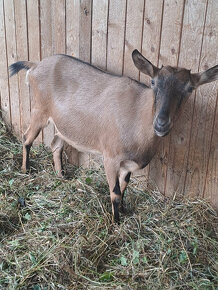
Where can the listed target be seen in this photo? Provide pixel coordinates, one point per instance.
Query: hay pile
(57, 234)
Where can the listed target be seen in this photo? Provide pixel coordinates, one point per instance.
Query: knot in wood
(86, 11)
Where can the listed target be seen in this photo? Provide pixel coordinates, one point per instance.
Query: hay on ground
(57, 234)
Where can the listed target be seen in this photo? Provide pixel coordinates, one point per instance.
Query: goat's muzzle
(162, 126)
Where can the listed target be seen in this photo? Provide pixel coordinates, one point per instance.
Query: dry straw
(57, 234)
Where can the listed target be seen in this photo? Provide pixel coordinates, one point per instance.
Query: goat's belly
(80, 147)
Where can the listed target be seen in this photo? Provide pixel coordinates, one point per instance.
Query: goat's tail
(17, 66)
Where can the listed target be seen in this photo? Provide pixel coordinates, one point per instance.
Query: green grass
(63, 237)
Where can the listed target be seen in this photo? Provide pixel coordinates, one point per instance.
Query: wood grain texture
(12, 57)
(4, 90)
(99, 33)
(151, 41)
(169, 51)
(116, 33)
(191, 42)
(171, 30)
(72, 48)
(209, 54)
(133, 40)
(59, 46)
(105, 33)
(85, 51)
(151, 33)
(204, 117)
(211, 183)
(22, 54)
(85, 30)
(33, 42)
(99, 48)
(59, 26)
(133, 35)
(46, 22)
(72, 27)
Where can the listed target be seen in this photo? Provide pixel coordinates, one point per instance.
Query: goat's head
(171, 86)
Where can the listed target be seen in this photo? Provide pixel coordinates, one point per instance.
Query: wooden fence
(104, 33)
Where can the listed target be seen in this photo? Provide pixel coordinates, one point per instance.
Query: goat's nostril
(162, 121)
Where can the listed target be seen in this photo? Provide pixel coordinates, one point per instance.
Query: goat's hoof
(60, 175)
(24, 170)
(123, 209)
(115, 220)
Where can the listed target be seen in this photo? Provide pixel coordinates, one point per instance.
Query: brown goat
(98, 112)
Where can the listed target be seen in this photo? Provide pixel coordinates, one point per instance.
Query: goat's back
(81, 98)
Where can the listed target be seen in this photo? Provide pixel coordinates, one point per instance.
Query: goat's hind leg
(36, 125)
(57, 146)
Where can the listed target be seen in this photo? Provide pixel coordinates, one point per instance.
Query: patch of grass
(57, 234)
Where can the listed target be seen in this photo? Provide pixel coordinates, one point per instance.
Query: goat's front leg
(57, 146)
(124, 178)
(112, 174)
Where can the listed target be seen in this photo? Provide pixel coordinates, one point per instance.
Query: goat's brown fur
(98, 112)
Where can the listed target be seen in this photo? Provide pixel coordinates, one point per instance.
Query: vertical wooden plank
(116, 30)
(72, 27)
(4, 90)
(22, 54)
(85, 30)
(33, 30)
(59, 26)
(133, 35)
(99, 33)
(85, 50)
(12, 57)
(151, 40)
(211, 184)
(72, 48)
(171, 30)
(99, 47)
(34, 41)
(133, 40)
(191, 41)
(46, 50)
(151, 33)
(169, 50)
(204, 118)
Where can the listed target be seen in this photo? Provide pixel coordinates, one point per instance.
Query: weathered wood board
(104, 33)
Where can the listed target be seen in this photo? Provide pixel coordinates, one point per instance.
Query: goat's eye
(190, 89)
(152, 82)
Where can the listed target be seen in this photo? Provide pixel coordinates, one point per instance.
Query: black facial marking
(116, 205)
(116, 189)
(190, 89)
(127, 178)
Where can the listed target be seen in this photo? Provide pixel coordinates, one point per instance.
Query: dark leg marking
(127, 178)
(28, 156)
(116, 202)
(116, 205)
(116, 189)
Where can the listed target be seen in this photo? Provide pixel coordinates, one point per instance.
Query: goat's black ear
(207, 76)
(143, 64)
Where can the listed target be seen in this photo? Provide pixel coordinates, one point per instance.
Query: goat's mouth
(161, 134)
(162, 131)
